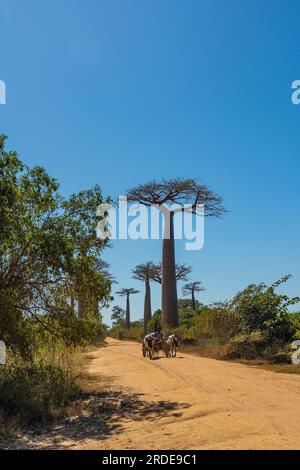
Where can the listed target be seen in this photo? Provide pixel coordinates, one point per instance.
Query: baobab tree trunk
(127, 312)
(193, 300)
(147, 304)
(169, 288)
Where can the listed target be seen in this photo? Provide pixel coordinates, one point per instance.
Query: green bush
(248, 346)
(259, 307)
(155, 321)
(31, 392)
(136, 331)
(217, 323)
(282, 358)
(118, 331)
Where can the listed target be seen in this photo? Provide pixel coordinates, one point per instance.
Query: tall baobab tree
(124, 292)
(189, 196)
(190, 289)
(145, 272)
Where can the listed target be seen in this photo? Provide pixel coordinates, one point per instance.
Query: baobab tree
(145, 272)
(189, 196)
(181, 271)
(190, 289)
(126, 292)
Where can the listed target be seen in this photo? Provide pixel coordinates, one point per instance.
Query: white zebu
(173, 344)
(148, 345)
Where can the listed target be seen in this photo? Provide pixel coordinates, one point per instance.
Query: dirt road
(187, 402)
(196, 403)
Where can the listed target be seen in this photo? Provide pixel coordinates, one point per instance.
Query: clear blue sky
(122, 91)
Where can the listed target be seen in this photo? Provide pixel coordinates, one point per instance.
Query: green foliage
(282, 358)
(49, 257)
(218, 323)
(118, 316)
(248, 346)
(295, 319)
(187, 304)
(187, 316)
(118, 331)
(261, 308)
(32, 391)
(155, 321)
(135, 332)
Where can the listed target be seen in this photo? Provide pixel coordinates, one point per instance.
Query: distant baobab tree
(190, 289)
(126, 293)
(161, 195)
(182, 271)
(145, 272)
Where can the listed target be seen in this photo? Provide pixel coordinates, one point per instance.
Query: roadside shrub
(206, 347)
(282, 358)
(31, 392)
(259, 307)
(248, 346)
(295, 319)
(136, 331)
(155, 321)
(217, 323)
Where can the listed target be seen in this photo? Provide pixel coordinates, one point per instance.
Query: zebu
(152, 344)
(173, 344)
(148, 345)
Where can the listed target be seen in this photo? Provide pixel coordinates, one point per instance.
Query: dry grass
(282, 368)
(206, 349)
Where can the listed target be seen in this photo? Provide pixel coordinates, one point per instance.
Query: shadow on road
(99, 415)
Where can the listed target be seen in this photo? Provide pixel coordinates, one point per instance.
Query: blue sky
(119, 92)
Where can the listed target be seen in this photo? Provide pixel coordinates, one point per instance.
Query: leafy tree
(161, 195)
(218, 323)
(49, 253)
(118, 315)
(186, 304)
(261, 308)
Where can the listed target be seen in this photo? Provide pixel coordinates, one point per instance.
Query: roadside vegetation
(256, 325)
(53, 284)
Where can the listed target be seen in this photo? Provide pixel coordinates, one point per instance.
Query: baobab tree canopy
(144, 271)
(192, 287)
(179, 191)
(127, 291)
(182, 272)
